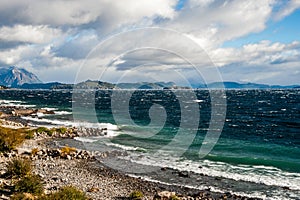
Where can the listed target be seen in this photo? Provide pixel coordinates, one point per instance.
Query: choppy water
(259, 144)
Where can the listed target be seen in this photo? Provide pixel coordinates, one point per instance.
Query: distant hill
(235, 85)
(147, 85)
(46, 86)
(90, 84)
(14, 77)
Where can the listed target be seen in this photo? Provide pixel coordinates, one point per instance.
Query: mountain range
(20, 78)
(15, 77)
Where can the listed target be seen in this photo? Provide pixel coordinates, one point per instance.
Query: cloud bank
(54, 37)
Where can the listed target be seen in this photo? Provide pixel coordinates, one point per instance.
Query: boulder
(184, 174)
(164, 195)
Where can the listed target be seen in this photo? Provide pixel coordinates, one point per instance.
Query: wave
(127, 148)
(62, 113)
(108, 126)
(211, 188)
(85, 140)
(271, 176)
(111, 129)
(49, 108)
(14, 103)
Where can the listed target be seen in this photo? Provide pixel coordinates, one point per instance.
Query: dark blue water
(260, 140)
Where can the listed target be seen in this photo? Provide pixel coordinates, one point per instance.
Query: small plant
(44, 130)
(29, 134)
(34, 151)
(67, 150)
(30, 184)
(18, 167)
(136, 195)
(11, 138)
(66, 193)
(61, 130)
(174, 197)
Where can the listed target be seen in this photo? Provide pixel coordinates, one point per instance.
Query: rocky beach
(60, 166)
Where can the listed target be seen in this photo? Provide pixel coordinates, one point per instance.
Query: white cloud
(262, 53)
(62, 33)
(29, 33)
(77, 12)
(214, 22)
(13, 56)
(287, 9)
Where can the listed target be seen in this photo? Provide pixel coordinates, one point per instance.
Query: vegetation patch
(136, 195)
(11, 138)
(66, 193)
(61, 130)
(67, 150)
(174, 197)
(29, 134)
(42, 130)
(30, 184)
(34, 151)
(18, 167)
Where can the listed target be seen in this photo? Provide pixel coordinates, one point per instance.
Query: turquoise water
(259, 143)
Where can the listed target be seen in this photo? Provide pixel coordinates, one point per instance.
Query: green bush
(174, 197)
(10, 138)
(30, 184)
(44, 130)
(18, 167)
(66, 193)
(29, 134)
(61, 130)
(136, 195)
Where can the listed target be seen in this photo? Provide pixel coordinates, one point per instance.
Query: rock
(164, 195)
(4, 197)
(23, 112)
(286, 188)
(68, 157)
(184, 174)
(93, 189)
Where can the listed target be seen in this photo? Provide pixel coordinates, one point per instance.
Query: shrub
(67, 150)
(10, 138)
(22, 196)
(61, 130)
(136, 195)
(29, 134)
(66, 193)
(30, 184)
(18, 167)
(34, 151)
(44, 130)
(174, 197)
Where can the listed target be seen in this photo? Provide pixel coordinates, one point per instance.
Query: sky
(185, 41)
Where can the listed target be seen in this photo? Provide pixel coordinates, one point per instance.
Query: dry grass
(11, 138)
(30, 184)
(34, 151)
(66, 193)
(18, 167)
(67, 150)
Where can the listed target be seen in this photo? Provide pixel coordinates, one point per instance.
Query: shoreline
(91, 176)
(97, 180)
